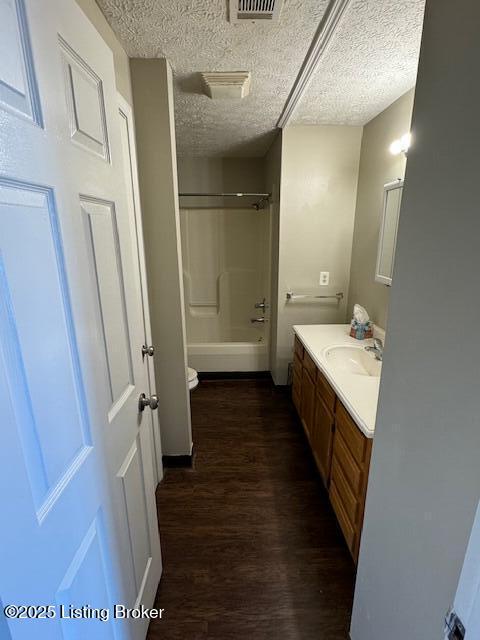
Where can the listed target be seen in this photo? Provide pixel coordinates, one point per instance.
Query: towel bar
(306, 296)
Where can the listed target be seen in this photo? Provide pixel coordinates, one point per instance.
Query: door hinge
(454, 629)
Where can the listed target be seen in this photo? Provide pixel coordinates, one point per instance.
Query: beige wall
(273, 176)
(319, 177)
(377, 167)
(424, 482)
(153, 104)
(220, 175)
(120, 58)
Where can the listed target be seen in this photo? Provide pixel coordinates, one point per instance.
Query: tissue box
(361, 331)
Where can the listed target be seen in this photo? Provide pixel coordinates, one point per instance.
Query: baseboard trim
(176, 462)
(234, 375)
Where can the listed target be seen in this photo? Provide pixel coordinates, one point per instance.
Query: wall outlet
(324, 278)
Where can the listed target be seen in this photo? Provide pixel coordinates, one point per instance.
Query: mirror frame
(390, 186)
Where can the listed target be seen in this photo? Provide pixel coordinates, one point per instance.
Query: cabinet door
(323, 439)
(325, 391)
(298, 348)
(297, 390)
(308, 402)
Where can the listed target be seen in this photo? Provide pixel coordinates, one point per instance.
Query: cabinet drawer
(356, 441)
(349, 500)
(310, 366)
(350, 468)
(298, 348)
(326, 392)
(345, 524)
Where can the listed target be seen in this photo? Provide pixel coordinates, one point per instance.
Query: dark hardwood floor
(251, 548)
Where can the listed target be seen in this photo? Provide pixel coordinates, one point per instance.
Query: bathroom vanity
(335, 391)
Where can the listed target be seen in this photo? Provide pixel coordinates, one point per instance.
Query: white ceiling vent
(223, 85)
(254, 10)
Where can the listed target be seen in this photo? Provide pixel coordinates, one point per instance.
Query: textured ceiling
(371, 61)
(195, 35)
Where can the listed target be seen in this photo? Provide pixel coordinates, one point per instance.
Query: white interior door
(467, 599)
(79, 520)
(129, 154)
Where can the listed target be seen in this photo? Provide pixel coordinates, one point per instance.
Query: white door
(78, 520)
(467, 599)
(129, 154)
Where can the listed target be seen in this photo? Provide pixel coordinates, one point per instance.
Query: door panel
(109, 284)
(32, 270)
(18, 86)
(133, 485)
(87, 573)
(85, 103)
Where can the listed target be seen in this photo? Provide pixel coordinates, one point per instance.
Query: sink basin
(354, 360)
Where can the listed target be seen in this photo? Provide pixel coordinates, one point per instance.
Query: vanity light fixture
(401, 145)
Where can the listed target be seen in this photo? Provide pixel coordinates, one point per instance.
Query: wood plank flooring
(251, 547)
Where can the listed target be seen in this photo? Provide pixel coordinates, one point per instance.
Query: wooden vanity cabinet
(341, 451)
(349, 476)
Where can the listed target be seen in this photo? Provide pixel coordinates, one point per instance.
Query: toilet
(192, 378)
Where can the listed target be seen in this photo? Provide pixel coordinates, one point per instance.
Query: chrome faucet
(260, 320)
(377, 349)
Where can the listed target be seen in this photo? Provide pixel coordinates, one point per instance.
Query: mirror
(392, 199)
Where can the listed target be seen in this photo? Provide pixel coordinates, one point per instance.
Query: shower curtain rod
(228, 195)
(263, 197)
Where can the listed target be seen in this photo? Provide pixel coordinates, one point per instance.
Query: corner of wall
(319, 177)
(273, 162)
(153, 108)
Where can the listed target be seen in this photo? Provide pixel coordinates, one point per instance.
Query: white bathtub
(228, 356)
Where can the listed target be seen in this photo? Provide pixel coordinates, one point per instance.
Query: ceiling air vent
(223, 85)
(254, 10)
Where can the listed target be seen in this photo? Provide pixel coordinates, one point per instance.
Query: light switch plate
(324, 278)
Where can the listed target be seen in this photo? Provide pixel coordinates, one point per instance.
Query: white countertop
(359, 394)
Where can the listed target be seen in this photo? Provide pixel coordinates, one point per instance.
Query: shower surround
(226, 271)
